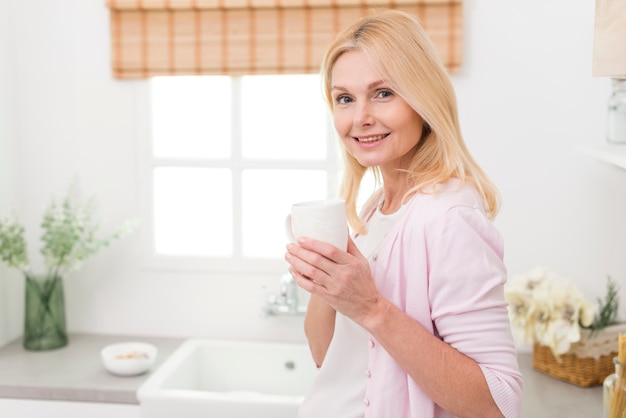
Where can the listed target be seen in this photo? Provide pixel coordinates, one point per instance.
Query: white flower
(548, 309)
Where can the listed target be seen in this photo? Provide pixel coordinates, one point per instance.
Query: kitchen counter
(547, 397)
(74, 372)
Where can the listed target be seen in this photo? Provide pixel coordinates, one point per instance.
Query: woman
(411, 320)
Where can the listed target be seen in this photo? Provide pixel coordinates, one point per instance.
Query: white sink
(229, 379)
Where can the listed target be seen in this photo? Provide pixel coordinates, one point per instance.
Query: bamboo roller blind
(236, 37)
(609, 38)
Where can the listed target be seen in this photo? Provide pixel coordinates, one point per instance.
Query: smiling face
(376, 125)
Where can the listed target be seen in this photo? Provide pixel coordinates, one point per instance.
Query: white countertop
(547, 397)
(75, 373)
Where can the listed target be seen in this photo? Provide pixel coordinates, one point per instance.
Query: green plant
(12, 243)
(607, 307)
(70, 235)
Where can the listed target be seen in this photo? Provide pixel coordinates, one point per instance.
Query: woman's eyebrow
(370, 86)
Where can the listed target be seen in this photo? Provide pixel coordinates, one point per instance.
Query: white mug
(324, 220)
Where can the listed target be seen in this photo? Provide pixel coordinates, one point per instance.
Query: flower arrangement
(548, 309)
(70, 235)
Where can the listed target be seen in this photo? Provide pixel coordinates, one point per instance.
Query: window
(226, 157)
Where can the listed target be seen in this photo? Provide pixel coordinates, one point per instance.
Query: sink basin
(229, 378)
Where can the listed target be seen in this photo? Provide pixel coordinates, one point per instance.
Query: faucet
(285, 302)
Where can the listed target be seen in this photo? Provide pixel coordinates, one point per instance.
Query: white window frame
(147, 162)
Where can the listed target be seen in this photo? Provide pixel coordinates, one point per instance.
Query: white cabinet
(27, 408)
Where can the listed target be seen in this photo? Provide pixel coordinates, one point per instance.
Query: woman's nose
(362, 114)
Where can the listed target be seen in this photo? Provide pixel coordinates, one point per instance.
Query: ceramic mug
(324, 220)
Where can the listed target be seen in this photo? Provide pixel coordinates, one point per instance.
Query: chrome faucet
(286, 301)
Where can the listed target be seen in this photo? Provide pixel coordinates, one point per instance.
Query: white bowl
(128, 358)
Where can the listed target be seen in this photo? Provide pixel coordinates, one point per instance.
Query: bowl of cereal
(128, 358)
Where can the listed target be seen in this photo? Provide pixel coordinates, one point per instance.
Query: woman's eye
(343, 99)
(385, 93)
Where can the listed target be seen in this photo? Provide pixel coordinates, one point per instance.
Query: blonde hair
(403, 54)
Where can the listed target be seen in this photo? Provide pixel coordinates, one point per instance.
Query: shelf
(611, 153)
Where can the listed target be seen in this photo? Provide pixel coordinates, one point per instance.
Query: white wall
(526, 98)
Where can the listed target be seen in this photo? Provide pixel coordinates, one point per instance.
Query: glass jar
(616, 128)
(614, 392)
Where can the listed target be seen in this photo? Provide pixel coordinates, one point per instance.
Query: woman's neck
(394, 194)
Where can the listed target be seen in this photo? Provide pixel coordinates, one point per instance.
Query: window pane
(267, 199)
(283, 117)
(191, 116)
(193, 211)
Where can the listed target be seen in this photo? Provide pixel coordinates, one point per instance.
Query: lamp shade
(609, 41)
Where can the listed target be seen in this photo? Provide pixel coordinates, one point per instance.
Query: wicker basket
(587, 363)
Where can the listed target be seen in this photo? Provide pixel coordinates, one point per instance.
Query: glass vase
(44, 313)
(614, 392)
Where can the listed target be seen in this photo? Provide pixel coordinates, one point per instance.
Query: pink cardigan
(442, 263)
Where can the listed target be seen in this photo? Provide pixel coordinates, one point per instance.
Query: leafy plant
(607, 307)
(70, 235)
(12, 243)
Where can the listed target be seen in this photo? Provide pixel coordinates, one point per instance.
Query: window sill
(235, 266)
(610, 153)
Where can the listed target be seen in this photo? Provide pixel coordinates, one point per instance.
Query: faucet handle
(283, 302)
(286, 284)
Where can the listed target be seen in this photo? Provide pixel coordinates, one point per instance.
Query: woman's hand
(343, 279)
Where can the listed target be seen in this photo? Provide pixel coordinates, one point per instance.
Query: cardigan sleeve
(466, 291)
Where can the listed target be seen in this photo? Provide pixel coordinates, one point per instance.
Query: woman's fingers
(314, 259)
(341, 278)
(307, 284)
(325, 249)
(321, 262)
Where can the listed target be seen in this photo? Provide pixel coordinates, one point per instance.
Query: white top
(339, 388)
